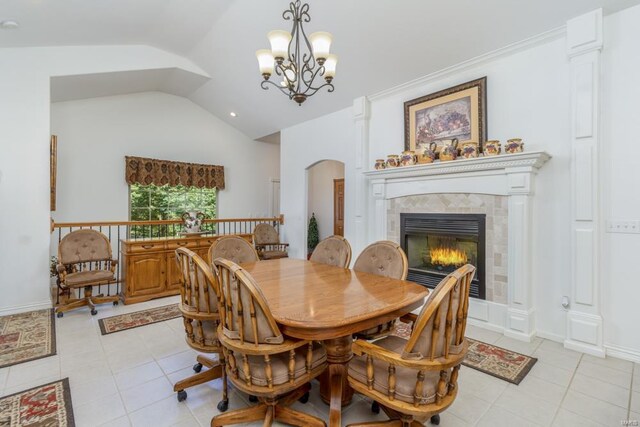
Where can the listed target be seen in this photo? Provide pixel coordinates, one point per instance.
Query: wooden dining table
(315, 301)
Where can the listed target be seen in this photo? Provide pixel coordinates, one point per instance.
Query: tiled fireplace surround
(502, 187)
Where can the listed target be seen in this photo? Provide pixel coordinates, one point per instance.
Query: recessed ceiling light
(9, 24)
(232, 114)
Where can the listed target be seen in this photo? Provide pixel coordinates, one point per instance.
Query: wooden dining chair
(383, 258)
(334, 250)
(416, 379)
(260, 360)
(200, 301)
(267, 242)
(233, 248)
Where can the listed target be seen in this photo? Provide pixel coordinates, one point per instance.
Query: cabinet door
(174, 275)
(146, 274)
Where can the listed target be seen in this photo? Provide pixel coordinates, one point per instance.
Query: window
(153, 203)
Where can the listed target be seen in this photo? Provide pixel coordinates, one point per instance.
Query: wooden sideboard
(150, 268)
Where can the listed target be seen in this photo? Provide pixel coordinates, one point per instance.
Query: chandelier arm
(313, 90)
(313, 74)
(265, 85)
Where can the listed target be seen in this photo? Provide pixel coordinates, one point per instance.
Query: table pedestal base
(334, 385)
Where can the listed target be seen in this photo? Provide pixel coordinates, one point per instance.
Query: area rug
(27, 336)
(490, 359)
(47, 405)
(122, 322)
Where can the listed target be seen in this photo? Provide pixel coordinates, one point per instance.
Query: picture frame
(458, 112)
(53, 169)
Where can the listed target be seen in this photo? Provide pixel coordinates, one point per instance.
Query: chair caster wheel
(304, 398)
(252, 398)
(435, 420)
(182, 395)
(197, 367)
(94, 312)
(223, 405)
(375, 407)
(115, 303)
(59, 315)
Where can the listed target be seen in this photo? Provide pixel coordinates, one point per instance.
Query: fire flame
(448, 256)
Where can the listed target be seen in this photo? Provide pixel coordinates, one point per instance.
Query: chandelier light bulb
(279, 40)
(321, 44)
(330, 67)
(265, 62)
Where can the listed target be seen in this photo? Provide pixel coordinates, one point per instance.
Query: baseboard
(622, 353)
(551, 336)
(23, 308)
(487, 314)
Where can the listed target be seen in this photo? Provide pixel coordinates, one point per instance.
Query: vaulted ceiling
(380, 43)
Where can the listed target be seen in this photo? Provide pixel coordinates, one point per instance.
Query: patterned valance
(139, 170)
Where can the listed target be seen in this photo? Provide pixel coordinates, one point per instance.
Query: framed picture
(53, 168)
(458, 112)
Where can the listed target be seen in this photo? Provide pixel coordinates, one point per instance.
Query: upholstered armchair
(233, 248)
(85, 261)
(267, 242)
(334, 250)
(261, 361)
(415, 379)
(200, 300)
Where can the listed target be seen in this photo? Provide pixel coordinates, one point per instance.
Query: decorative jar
(408, 158)
(514, 145)
(428, 155)
(393, 161)
(449, 151)
(469, 150)
(491, 148)
(380, 164)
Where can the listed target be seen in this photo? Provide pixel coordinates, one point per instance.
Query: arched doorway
(325, 197)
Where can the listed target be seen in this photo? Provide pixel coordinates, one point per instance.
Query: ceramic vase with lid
(491, 148)
(514, 145)
(469, 150)
(449, 151)
(428, 155)
(408, 158)
(393, 161)
(380, 164)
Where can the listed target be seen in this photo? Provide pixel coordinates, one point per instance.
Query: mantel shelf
(500, 163)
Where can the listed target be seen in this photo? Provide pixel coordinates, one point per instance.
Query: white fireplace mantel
(511, 175)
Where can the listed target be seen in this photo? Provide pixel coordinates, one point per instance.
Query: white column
(379, 191)
(361, 135)
(584, 321)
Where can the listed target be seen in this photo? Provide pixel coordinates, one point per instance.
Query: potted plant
(313, 238)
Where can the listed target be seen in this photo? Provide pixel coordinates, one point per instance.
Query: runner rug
(490, 359)
(122, 322)
(27, 336)
(46, 405)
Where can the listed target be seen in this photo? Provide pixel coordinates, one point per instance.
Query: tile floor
(125, 379)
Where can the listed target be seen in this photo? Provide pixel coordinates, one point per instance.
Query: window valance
(140, 170)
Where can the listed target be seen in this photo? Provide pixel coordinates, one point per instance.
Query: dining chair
(200, 302)
(84, 261)
(383, 258)
(267, 242)
(233, 248)
(334, 250)
(261, 361)
(416, 379)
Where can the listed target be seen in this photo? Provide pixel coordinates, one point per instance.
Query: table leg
(334, 386)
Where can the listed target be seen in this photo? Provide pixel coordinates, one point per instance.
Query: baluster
(240, 312)
(254, 321)
(309, 357)
(267, 370)
(118, 276)
(188, 326)
(442, 386)
(417, 396)
(453, 381)
(246, 369)
(467, 282)
(392, 382)
(370, 372)
(434, 333)
(233, 364)
(292, 365)
(449, 322)
(201, 329)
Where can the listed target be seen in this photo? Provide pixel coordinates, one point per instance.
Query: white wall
(320, 196)
(327, 138)
(621, 196)
(94, 136)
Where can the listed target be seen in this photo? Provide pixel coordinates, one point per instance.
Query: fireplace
(437, 244)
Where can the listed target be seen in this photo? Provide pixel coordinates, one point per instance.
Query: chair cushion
(234, 249)
(280, 365)
(371, 333)
(205, 333)
(274, 254)
(88, 277)
(332, 251)
(383, 259)
(405, 377)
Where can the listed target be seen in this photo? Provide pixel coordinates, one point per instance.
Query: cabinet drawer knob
(148, 246)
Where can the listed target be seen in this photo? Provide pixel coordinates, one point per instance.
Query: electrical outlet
(623, 227)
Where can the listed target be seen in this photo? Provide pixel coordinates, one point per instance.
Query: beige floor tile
(164, 413)
(88, 391)
(127, 359)
(145, 394)
(138, 375)
(565, 360)
(553, 374)
(593, 409)
(635, 402)
(499, 417)
(30, 384)
(120, 422)
(480, 385)
(604, 373)
(518, 346)
(4, 373)
(178, 361)
(482, 334)
(601, 390)
(541, 389)
(468, 408)
(526, 406)
(89, 371)
(566, 418)
(634, 416)
(610, 362)
(99, 412)
(31, 372)
(204, 406)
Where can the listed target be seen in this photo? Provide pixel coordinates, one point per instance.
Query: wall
(320, 196)
(621, 198)
(327, 138)
(95, 134)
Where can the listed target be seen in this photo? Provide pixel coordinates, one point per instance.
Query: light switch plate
(632, 227)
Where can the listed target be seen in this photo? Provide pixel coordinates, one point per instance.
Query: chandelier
(301, 62)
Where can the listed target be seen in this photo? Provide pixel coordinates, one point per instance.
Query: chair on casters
(260, 360)
(334, 250)
(199, 304)
(85, 261)
(267, 242)
(416, 379)
(233, 248)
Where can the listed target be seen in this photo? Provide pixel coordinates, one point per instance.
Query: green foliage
(313, 238)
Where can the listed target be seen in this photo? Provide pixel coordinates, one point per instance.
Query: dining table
(320, 302)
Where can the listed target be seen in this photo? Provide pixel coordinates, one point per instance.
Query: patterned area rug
(490, 359)
(122, 322)
(27, 336)
(47, 405)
